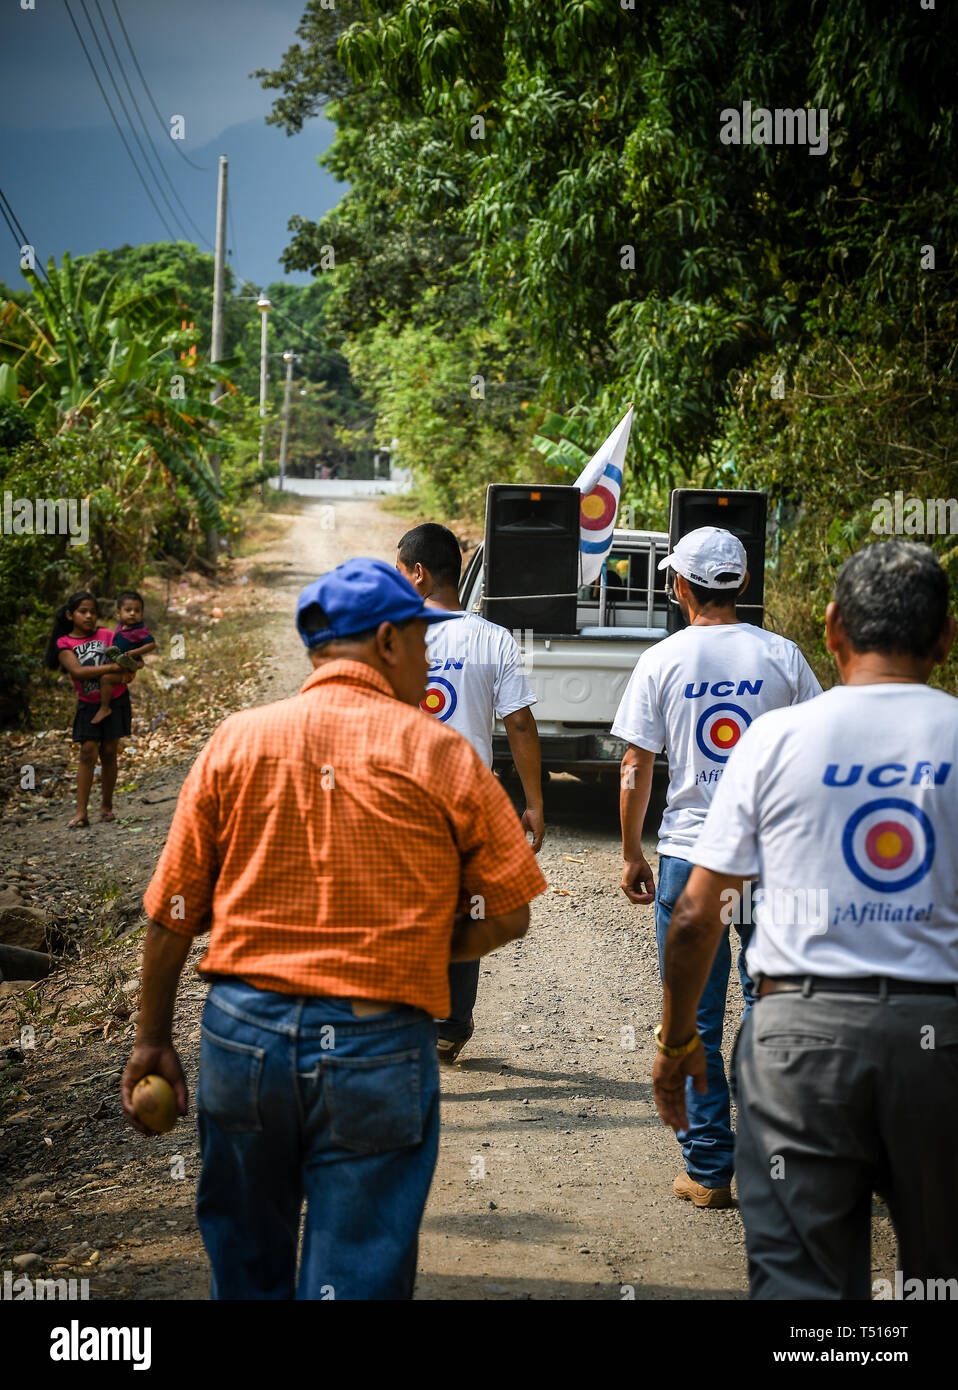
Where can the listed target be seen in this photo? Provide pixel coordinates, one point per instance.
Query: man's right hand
(157, 1061)
(637, 884)
(533, 823)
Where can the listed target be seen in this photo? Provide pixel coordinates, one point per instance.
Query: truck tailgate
(581, 679)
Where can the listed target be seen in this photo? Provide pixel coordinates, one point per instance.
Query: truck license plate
(607, 746)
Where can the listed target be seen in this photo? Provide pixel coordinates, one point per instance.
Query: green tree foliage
(602, 132)
(15, 427)
(182, 277)
(775, 314)
(38, 569)
(404, 306)
(311, 74)
(109, 366)
(98, 406)
(860, 420)
(329, 422)
(460, 422)
(181, 274)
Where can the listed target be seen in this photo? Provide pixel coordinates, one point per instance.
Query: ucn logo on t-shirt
(888, 842)
(720, 726)
(440, 698)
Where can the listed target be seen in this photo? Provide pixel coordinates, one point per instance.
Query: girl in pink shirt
(77, 643)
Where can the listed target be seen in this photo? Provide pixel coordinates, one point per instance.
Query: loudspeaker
(742, 513)
(531, 557)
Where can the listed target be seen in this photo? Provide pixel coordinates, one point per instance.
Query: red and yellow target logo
(719, 729)
(440, 699)
(889, 844)
(597, 509)
(724, 733)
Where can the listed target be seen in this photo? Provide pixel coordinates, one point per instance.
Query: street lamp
(264, 306)
(289, 358)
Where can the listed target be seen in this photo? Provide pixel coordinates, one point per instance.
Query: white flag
(600, 484)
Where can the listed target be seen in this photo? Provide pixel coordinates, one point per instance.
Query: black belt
(856, 984)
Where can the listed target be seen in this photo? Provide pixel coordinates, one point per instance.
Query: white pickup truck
(579, 677)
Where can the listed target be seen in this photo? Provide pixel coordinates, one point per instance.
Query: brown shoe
(447, 1050)
(691, 1191)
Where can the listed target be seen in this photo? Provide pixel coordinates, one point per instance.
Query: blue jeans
(463, 988)
(707, 1144)
(297, 1099)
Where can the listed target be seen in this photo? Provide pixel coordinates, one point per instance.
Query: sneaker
(691, 1191)
(448, 1049)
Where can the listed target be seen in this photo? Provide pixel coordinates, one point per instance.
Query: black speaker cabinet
(531, 557)
(742, 513)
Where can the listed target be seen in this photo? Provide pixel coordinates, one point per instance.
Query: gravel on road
(554, 1176)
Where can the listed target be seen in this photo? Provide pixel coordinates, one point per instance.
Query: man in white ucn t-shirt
(475, 673)
(846, 1069)
(694, 694)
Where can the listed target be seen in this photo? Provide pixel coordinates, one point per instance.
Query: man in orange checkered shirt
(340, 848)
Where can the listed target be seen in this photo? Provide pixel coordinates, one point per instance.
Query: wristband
(682, 1050)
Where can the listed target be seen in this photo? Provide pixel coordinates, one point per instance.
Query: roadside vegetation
(539, 224)
(539, 196)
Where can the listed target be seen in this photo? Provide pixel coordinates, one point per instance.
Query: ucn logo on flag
(600, 484)
(597, 510)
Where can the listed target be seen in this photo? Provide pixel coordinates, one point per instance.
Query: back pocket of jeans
(230, 1075)
(797, 1038)
(374, 1103)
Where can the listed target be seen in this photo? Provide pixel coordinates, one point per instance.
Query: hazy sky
(64, 168)
(195, 54)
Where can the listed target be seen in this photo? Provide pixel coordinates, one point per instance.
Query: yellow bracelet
(681, 1051)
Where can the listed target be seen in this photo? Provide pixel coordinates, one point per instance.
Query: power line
(19, 235)
(299, 327)
(21, 238)
(119, 96)
(241, 279)
(13, 231)
(202, 168)
(86, 54)
(136, 106)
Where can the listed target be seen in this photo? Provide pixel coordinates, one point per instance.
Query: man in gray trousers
(846, 1070)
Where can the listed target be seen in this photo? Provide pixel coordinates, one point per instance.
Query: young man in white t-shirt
(846, 1069)
(475, 674)
(694, 694)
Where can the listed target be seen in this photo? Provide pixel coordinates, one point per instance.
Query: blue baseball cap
(359, 595)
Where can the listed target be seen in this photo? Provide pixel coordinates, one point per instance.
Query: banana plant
(111, 367)
(571, 451)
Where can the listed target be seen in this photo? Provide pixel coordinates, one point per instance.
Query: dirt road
(554, 1175)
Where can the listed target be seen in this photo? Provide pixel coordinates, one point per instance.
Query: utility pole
(219, 296)
(289, 358)
(264, 306)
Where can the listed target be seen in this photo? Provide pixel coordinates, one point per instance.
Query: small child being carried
(131, 642)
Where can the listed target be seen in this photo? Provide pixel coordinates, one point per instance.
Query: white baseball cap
(704, 553)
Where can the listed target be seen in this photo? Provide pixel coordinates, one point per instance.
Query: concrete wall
(344, 487)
